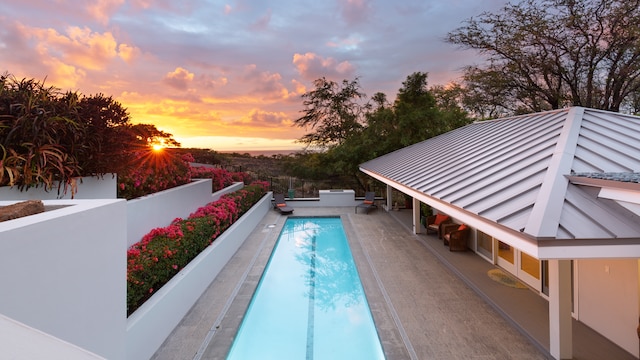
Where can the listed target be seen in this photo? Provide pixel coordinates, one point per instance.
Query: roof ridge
(545, 214)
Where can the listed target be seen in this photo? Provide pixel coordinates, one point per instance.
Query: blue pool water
(309, 303)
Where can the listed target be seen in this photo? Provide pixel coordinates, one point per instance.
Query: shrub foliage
(49, 137)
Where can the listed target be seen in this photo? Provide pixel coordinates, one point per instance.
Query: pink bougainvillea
(163, 252)
(154, 171)
(221, 178)
(157, 171)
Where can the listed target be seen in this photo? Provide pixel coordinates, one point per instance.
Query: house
(551, 197)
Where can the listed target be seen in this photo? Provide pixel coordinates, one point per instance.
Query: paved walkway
(424, 306)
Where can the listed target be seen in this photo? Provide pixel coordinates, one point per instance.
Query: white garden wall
(151, 324)
(160, 209)
(63, 272)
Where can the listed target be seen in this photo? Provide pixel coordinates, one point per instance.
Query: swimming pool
(309, 303)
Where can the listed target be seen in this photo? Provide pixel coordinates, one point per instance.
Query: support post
(560, 321)
(416, 216)
(389, 197)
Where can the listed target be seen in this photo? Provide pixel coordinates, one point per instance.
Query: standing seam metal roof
(513, 171)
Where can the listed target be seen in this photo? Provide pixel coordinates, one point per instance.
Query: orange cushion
(440, 218)
(368, 202)
(282, 205)
(462, 227)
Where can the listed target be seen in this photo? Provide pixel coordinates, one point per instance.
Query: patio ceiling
(511, 175)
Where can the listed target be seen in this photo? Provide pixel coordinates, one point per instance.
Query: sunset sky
(229, 75)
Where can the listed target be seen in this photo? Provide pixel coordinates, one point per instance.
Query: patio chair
(435, 223)
(281, 205)
(368, 203)
(455, 236)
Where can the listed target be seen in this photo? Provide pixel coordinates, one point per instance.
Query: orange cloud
(80, 47)
(208, 81)
(312, 66)
(266, 84)
(128, 53)
(102, 9)
(180, 78)
(62, 75)
(300, 88)
(266, 119)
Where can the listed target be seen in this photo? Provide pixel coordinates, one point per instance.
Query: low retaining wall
(328, 198)
(151, 324)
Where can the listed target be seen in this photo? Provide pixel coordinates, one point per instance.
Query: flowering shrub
(157, 171)
(154, 171)
(164, 251)
(221, 178)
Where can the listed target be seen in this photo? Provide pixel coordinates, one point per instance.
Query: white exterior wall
(19, 341)
(607, 299)
(63, 272)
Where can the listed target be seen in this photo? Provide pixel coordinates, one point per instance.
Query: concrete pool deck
(427, 302)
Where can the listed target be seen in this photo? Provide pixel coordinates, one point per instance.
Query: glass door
(507, 257)
(529, 270)
(484, 245)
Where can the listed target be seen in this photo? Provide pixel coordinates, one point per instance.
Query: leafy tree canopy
(333, 111)
(548, 54)
(418, 113)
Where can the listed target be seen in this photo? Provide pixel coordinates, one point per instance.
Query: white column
(416, 216)
(389, 198)
(560, 322)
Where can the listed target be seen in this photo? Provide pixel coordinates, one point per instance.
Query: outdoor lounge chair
(281, 205)
(368, 203)
(435, 223)
(455, 236)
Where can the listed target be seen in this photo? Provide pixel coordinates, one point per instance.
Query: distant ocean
(262, 152)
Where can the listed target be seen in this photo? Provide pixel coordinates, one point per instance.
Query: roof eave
(543, 248)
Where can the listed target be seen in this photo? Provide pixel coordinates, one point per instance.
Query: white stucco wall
(21, 342)
(63, 272)
(608, 299)
(159, 209)
(149, 325)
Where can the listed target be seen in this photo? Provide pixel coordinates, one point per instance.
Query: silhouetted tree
(334, 112)
(547, 54)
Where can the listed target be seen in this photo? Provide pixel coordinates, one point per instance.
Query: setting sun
(157, 147)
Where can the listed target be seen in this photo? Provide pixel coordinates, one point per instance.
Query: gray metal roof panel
(497, 168)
